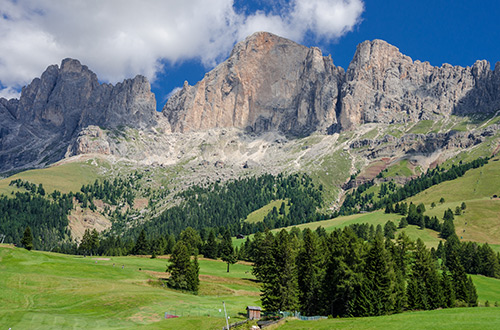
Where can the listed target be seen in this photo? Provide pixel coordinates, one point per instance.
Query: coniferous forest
(341, 274)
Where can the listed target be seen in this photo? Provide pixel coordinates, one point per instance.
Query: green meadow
(64, 177)
(42, 290)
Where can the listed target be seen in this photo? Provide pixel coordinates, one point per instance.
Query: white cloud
(9, 93)
(121, 38)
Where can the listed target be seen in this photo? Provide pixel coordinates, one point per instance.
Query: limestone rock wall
(267, 83)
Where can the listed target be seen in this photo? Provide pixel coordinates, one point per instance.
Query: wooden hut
(253, 312)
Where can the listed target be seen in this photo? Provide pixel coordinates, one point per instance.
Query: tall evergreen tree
(192, 277)
(448, 290)
(27, 240)
(141, 246)
(284, 255)
(211, 246)
(180, 268)
(309, 274)
(376, 295)
(227, 249)
(424, 287)
(343, 272)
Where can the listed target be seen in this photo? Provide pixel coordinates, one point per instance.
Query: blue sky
(170, 41)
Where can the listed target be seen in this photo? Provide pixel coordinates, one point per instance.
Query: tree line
(389, 193)
(45, 214)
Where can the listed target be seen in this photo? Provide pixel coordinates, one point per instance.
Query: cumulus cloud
(121, 38)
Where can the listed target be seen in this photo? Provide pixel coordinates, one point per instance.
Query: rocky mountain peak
(54, 108)
(264, 85)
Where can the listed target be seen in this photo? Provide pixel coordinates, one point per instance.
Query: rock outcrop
(55, 108)
(267, 83)
(384, 86)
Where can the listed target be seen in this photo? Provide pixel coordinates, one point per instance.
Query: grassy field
(399, 169)
(446, 319)
(65, 178)
(487, 289)
(481, 220)
(46, 290)
(258, 215)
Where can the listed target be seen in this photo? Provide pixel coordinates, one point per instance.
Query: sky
(170, 41)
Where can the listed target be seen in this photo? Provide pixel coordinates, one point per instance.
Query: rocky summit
(268, 84)
(54, 109)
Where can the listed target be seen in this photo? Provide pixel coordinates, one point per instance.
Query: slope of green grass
(65, 177)
(446, 319)
(399, 169)
(45, 290)
(258, 215)
(487, 289)
(481, 221)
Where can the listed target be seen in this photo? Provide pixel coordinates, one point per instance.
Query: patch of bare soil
(83, 219)
(373, 169)
(140, 203)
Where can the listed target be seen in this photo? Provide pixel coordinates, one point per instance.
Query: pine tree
(141, 246)
(211, 247)
(403, 223)
(27, 239)
(192, 277)
(94, 241)
(343, 272)
(425, 290)
(447, 289)
(180, 268)
(377, 293)
(471, 293)
(86, 243)
(227, 249)
(192, 239)
(287, 289)
(447, 229)
(309, 274)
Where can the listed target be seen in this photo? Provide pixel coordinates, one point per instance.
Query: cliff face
(267, 83)
(382, 85)
(54, 108)
(272, 83)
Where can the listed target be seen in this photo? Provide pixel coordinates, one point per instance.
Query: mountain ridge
(268, 84)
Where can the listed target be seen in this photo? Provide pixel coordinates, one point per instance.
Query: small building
(253, 312)
(240, 236)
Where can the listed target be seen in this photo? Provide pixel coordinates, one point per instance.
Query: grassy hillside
(481, 221)
(46, 290)
(65, 177)
(258, 215)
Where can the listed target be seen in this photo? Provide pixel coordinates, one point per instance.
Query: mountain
(268, 94)
(37, 129)
(267, 83)
(272, 83)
